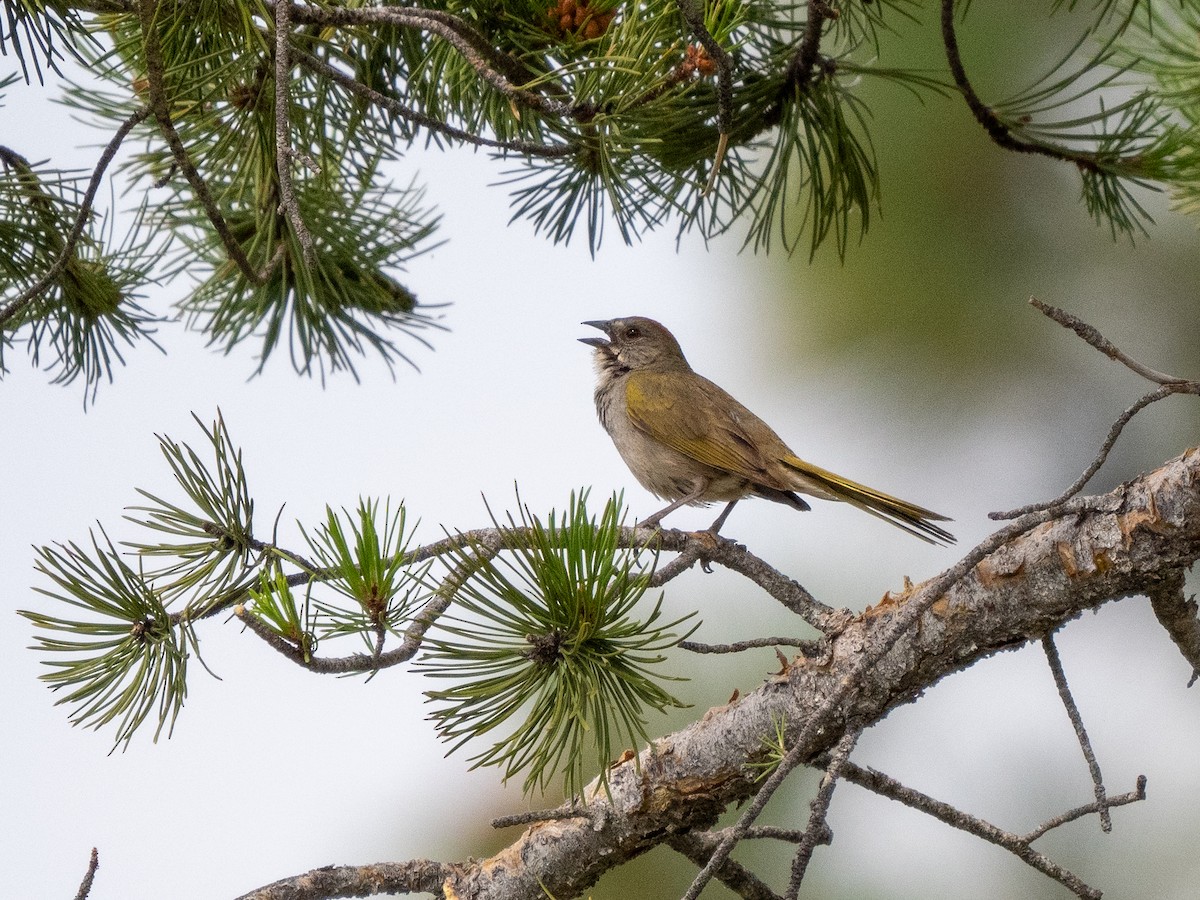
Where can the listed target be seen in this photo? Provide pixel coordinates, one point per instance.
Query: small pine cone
(697, 60)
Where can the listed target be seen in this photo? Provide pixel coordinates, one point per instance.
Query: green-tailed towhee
(689, 442)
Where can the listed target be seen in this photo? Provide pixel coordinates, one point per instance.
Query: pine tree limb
(1098, 549)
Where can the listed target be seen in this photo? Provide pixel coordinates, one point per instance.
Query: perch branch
(491, 541)
(1092, 335)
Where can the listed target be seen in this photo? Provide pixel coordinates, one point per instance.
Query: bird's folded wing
(690, 414)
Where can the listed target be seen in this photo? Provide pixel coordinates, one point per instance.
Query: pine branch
(19, 304)
(1018, 587)
(623, 118)
(156, 68)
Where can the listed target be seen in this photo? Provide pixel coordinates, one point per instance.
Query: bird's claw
(709, 537)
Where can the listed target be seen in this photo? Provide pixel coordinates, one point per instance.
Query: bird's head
(636, 343)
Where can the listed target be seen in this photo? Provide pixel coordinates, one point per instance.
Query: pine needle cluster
(553, 653)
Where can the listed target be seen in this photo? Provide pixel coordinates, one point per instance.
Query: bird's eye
(632, 332)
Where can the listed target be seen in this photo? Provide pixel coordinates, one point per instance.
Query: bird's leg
(716, 526)
(697, 492)
(711, 534)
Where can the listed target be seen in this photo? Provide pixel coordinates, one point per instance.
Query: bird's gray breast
(662, 470)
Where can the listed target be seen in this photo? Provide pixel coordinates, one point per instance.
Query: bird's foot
(709, 538)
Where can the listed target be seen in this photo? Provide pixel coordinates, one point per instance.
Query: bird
(689, 442)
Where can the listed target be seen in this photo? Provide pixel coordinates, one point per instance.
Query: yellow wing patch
(673, 408)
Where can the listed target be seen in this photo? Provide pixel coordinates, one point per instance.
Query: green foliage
(1118, 147)
(1164, 46)
(209, 555)
(124, 660)
(128, 658)
(331, 308)
(820, 165)
(370, 566)
(546, 639)
(78, 322)
(275, 605)
(537, 624)
(34, 32)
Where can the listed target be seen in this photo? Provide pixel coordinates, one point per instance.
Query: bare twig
(1109, 442)
(1018, 845)
(85, 886)
(1177, 614)
(81, 219)
(283, 130)
(774, 832)
(807, 647)
(1090, 334)
(676, 567)
(1085, 744)
(698, 846)
(413, 877)
(1168, 385)
(541, 815)
(818, 829)
(1134, 796)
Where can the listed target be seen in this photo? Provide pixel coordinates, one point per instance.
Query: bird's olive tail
(916, 520)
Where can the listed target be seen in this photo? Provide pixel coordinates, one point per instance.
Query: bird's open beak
(596, 341)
